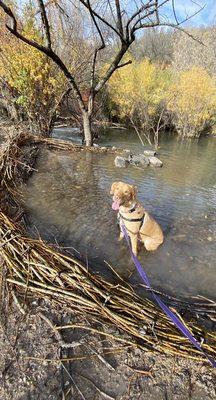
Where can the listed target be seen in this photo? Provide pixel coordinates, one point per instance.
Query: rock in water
(150, 153)
(155, 162)
(138, 160)
(121, 162)
(127, 151)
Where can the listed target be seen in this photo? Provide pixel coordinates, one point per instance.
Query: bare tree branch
(119, 18)
(141, 9)
(192, 15)
(85, 3)
(101, 47)
(124, 64)
(112, 67)
(174, 12)
(45, 22)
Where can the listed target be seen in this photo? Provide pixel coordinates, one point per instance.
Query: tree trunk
(9, 105)
(87, 128)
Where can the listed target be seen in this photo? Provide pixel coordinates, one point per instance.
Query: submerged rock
(121, 162)
(155, 162)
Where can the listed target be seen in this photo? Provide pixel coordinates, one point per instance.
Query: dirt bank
(105, 370)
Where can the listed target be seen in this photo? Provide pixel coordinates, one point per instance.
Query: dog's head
(123, 193)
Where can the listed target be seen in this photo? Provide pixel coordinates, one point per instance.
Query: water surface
(68, 202)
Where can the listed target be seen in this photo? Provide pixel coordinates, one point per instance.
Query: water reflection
(68, 202)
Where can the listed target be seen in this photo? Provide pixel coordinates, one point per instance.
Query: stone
(138, 160)
(155, 162)
(150, 153)
(121, 162)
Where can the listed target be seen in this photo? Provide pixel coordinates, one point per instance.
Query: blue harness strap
(177, 322)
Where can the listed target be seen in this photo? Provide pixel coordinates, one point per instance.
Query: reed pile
(35, 268)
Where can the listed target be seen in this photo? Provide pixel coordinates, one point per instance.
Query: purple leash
(177, 322)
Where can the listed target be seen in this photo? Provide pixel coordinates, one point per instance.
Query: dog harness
(141, 220)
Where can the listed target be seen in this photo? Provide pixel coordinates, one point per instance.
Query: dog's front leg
(134, 242)
(121, 236)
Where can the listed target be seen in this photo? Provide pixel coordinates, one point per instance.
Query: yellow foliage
(192, 98)
(138, 89)
(31, 75)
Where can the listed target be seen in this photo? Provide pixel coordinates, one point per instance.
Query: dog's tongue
(115, 205)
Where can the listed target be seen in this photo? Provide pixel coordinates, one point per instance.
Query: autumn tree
(192, 100)
(137, 93)
(36, 85)
(192, 95)
(116, 22)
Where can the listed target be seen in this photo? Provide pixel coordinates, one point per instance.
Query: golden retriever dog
(139, 224)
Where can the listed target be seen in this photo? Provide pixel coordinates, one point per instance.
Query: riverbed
(68, 203)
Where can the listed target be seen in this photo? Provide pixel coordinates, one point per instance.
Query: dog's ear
(134, 191)
(113, 187)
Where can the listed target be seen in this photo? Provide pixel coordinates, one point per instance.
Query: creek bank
(118, 371)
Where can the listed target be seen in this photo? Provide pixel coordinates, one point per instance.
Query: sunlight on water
(68, 202)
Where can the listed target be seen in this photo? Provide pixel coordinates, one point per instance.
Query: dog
(138, 222)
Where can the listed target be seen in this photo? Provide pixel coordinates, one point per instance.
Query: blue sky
(183, 8)
(207, 16)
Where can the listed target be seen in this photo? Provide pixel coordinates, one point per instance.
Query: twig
(72, 379)
(103, 394)
(140, 371)
(102, 359)
(58, 333)
(18, 304)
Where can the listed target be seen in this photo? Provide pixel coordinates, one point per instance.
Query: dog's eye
(126, 191)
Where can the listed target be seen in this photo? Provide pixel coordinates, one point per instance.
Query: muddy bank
(115, 373)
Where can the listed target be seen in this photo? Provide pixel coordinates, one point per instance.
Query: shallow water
(68, 202)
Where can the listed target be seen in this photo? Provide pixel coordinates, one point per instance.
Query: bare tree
(189, 53)
(155, 44)
(121, 19)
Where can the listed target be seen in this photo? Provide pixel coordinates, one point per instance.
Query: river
(68, 202)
